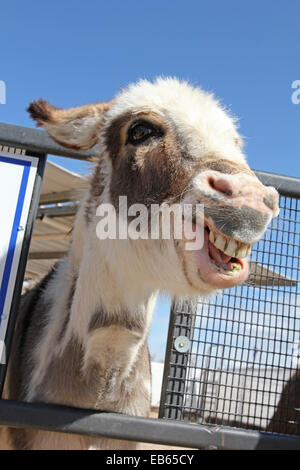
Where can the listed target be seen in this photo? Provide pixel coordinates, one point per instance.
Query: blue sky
(247, 53)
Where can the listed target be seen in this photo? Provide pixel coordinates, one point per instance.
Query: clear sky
(77, 52)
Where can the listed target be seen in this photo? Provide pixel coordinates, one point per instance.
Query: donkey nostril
(211, 182)
(270, 201)
(220, 185)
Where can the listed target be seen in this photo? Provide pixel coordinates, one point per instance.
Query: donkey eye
(139, 132)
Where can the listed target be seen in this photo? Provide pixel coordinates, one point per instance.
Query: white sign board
(17, 177)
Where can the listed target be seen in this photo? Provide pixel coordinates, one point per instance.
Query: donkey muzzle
(238, 205)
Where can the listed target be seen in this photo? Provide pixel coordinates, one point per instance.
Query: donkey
(81, 334)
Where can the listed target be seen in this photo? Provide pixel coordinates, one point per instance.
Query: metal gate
(231, 375)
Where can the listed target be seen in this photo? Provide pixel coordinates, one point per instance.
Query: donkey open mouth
(222, 261)
(226, 253)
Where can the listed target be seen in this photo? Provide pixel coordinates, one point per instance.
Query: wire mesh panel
(237, 357)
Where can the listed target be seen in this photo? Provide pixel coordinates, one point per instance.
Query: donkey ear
(75, 128)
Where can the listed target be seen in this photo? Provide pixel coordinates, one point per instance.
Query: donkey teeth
(212, 237)
(248, 250)
(220, 242)
(231, 248)
(236, 267)
(241, 252)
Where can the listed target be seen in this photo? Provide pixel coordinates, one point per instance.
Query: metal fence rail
(117, 426)
(226, 373)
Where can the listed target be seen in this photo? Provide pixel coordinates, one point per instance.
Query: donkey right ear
(75, 128)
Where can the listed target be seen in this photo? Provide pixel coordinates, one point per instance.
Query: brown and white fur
(81, 335)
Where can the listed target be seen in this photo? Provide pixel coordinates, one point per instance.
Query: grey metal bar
(38, 141)
(58, 211)
(56, 197)
(47, 255)
(285, 185)
(65, 419)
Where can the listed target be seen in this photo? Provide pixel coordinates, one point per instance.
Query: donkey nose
(221, 185)
(245, 191)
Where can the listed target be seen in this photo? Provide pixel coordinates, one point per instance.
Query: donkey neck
(112, 286)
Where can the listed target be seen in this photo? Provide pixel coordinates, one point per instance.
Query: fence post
(181, 324)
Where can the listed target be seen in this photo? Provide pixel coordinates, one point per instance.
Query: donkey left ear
(75, 128)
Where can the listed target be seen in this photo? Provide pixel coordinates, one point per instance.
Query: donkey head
(167, 142)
